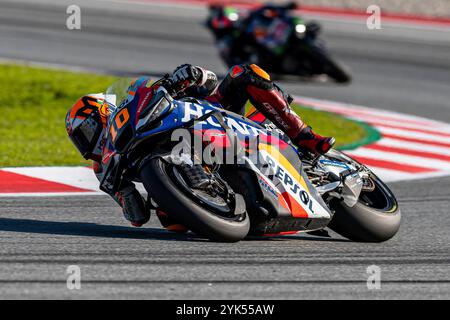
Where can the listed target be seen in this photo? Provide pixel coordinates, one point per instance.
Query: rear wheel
(212, 216)
(329, 66)
(375, 218)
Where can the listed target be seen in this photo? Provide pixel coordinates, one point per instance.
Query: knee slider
(257, 71)
(259, 78)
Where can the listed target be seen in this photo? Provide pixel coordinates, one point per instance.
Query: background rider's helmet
(85, 122)
(222, 19)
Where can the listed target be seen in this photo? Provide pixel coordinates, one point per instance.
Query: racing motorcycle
(269, 188)
(283, 44)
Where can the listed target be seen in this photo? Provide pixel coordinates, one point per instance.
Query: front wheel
(212, 217)
(375, 218)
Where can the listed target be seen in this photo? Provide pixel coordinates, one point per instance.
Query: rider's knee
(259, 78)
(245, 75)
(259, 72)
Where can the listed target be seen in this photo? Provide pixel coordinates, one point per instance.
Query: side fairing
(276, 162)
(286, 175)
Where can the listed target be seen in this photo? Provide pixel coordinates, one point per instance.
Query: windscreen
(119, 92)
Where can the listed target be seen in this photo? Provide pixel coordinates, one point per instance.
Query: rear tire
(364, 223)
(171, 199)
(330, 67)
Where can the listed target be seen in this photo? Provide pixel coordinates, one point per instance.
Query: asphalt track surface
(397, 68)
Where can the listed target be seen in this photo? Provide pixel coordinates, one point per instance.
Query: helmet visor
(86, 135)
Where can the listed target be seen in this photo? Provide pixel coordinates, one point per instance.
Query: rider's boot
(311, 141)
(133, 206)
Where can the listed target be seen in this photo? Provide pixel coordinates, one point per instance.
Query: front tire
(171, 198)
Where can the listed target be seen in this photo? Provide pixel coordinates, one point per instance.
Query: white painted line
(413, 146)
(401, 158)
(357, 111)
(433, 129)
(414, 135)
(80, 177)
(50, 194)
(391, 175)
(409, 126)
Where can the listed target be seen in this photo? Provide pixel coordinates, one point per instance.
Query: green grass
(33, 105)
(348, 133)
(34, 102)
(328, 124)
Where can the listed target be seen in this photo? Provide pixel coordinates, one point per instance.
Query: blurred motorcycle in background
(273, 37)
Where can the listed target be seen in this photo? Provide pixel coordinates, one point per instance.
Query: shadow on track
(91, 230)
(85, 229)
(298, 237)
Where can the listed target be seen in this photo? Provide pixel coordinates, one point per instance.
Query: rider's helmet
(222, 19)
(85, 123)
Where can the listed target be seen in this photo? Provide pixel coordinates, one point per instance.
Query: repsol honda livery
(253, 180)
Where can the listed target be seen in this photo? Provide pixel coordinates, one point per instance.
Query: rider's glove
(186, 75)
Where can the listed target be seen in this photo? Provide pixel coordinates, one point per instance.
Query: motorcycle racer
(233, 34)
(86, 124)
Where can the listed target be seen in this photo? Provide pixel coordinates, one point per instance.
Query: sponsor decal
(290, 183)
(195, 111)
(334, 164)
(263, 183)
(236, 71)
(144, 102)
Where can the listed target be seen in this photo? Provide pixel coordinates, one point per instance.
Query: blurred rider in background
(234, 33)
